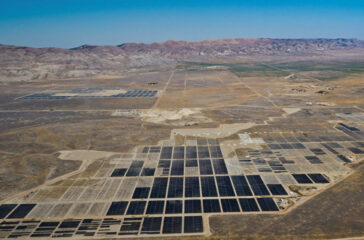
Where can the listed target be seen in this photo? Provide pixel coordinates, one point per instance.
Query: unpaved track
(164, 90)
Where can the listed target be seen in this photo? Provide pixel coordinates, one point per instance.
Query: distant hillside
(24, 63)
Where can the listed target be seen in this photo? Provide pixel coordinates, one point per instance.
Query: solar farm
(193, 155)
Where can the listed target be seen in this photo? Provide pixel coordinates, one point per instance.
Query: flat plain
(199, 150)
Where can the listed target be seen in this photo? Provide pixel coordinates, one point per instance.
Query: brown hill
(24, 63)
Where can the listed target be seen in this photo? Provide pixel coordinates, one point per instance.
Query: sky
(71, 23)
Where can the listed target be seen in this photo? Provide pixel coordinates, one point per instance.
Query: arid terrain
(222, 139)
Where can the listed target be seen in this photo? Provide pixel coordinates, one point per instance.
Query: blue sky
(71, 23)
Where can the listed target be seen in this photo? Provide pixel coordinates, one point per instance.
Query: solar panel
(179, 152)
(211, 205)
(21, 211)
(208, 187)
(191, 152)
(192, 187)
(177, 167)
(5, 209)
(136, 208)
(277, 189)
(175, 189)
(241, 186)
(224, 186)
(173, 206)
(230, 205)
(148, 172)
(141, 192)
(117, 208)
(191, 163)
(248, 205)
(318, 178)
(192, 206)
(152, 224)
(203, 152)
(267, 204)
(155, 207)
(172, 225)
(219, 166)
(166, 153)
(135, 168)
(159, 188)
(118, 172)
(193, 224)
(301, 178)
(205, 167)
(257, 185)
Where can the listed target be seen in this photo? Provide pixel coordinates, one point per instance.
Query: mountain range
(26, 63)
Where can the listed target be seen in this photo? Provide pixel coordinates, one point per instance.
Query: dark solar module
(152, 224)
(268, 140)
(286, 146)
(208, 187)
(21, 211)
(318, 178)
(291, 139)
(193, 224)
(274, 146)
(159, 188)
(356, 150)
(179, 152)
(130, 226)
(166, 153)
(37, 235)
(172, 225)
(219, 166)
(267, 204)
(191, 163)
(301, 178)
(303, 139)
(313, 159)
(118, 172)
(211, 205)
(224, 186)
(155, 149)
(203, 152)
(191, 152)
(257, 185)
(173, 206)
(145, 150)
(192, 206)
(117, 208)
(177, 167)
(135, 168)
(136, 208)
(334, 145)
(248, 205)
(215, 152)
(241, 186)
(317, 151)
(141, 192)
(230, 205)
(298, 146)
(164, 163)
(155, 207)
(192, 187)
(49, 224)
(277, 189)
(343, 158)
(329, 148)
(353, 129)
(201, 142)
(70, 224)
(359, 144)
(205, 167)
(148, 172)
(175, 189)
(280, 140)
(5, 209)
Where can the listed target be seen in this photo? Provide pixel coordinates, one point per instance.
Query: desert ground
(247, 149)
